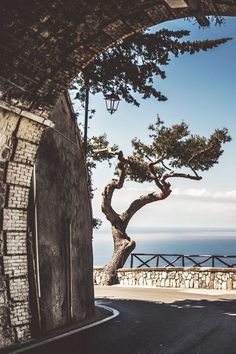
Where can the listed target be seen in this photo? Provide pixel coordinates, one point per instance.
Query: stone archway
(43, 46)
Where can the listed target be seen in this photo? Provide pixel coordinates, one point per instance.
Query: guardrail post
(162, 259)
(132, 261)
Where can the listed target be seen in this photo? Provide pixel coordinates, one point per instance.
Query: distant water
(188, 241)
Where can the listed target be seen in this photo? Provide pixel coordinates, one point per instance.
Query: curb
(26, 347)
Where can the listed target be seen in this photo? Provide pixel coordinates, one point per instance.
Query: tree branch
(108, 150)
(143, 200)
(194, 171)
(137, 204)
(181, 175)
(167, 168)
(198, 154)
(109, 189)
(153, 174)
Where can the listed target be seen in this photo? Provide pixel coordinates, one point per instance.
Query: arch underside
(44, 44)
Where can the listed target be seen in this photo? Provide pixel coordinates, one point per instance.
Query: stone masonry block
(2, 194)
(19, 174)
(16, 243)
(115, 29)
(157, 13)
(18, 197)
(25, 152)
(19, 289)
(3, 167)
(19, 314)
(23, 332)
(8, 123)
(30, 130)
(15, 266)
(14, 220)
(2, 297)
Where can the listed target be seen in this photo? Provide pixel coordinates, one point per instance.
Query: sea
(185, 241)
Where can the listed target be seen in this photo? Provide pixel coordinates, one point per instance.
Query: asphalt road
(185, 324)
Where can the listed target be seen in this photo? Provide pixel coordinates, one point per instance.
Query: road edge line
(26, 347)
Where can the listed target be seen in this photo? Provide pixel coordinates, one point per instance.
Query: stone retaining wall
(173, 277)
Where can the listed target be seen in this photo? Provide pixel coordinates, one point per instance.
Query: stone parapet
(175, 277)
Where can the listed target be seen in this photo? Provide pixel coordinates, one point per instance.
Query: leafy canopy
(98, 150)
(132, 64)
(173, 148)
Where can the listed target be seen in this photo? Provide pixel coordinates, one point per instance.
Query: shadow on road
(184, 327)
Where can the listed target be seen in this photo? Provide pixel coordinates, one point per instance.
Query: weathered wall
(6, 331)
(64, 223)
(173, 277)
(20, 133)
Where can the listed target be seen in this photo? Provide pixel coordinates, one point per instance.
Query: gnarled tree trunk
(123, 246)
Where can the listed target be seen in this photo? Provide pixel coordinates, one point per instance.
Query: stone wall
(173, 277)
(64, 223)
(20, 133)
(44, 284)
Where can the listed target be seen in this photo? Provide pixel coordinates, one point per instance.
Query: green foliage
(96, 223)
(173, 148)
(129, 68)
(132, 64)
(98, 150)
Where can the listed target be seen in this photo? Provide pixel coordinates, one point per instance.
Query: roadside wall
(46, 274)
(173, 277)
(20, 133)
(64, 224)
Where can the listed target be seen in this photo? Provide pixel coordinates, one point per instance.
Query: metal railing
(139, 260)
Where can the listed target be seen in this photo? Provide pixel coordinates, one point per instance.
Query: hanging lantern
(112, 102)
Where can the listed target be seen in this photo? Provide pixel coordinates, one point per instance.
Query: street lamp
(112, 102)
(86, 110)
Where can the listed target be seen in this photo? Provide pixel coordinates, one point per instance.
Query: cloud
(186, 207)
(197, 194)
(206, 195)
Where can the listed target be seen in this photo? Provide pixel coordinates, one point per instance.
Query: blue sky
(201, 90)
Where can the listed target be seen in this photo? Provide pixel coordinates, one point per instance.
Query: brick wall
(64, 213)
(19, 139)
